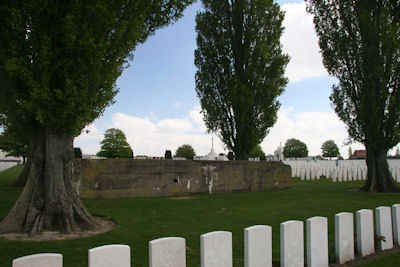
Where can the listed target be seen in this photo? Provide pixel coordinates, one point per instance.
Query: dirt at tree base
(103, 226)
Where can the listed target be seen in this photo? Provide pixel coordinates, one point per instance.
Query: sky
(157, 107)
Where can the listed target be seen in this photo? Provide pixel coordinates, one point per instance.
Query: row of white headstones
(338, 171)
(216, 247)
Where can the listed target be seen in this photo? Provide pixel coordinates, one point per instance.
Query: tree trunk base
(379, 177)
(49, 202)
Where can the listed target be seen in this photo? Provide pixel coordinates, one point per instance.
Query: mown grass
(143, 219)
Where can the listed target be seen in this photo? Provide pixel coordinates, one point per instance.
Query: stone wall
(145, 178)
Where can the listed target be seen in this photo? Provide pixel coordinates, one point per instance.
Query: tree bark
(49, 201)
(379, 177)
(23, 176)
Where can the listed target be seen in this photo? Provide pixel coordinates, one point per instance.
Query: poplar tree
(240, 69)
(360, 44)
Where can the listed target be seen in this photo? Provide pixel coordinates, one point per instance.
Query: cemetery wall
(148, 178)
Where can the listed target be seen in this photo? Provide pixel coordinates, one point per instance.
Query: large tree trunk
(379, 177)
(49, 200)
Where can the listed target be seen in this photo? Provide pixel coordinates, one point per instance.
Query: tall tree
(59, 61)
(330, 149)
(360, 44)
(185, 151)
(240, 69)
(295, 148)
(114, 145)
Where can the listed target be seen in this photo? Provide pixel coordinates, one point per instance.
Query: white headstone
(258, 246)
(39, 260)
(216, 249)
(365, 232)
(292, 244)
(317, 242)
(344, 237)
(110, 256)
(384, 230)
(396, 223)
(167, 252)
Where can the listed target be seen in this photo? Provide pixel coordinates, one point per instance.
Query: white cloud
(313, 128)
(153, 137)
(300, 41)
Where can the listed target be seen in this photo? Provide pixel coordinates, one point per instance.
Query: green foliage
(294, 148)
(59, 61)
(13, 145)
(185, 151)
(114, 145)
(360, 44)
(240, 69)
(330, 149)
(257, 152)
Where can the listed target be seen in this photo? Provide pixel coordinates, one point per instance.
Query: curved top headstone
(39, 260)
(110, 256)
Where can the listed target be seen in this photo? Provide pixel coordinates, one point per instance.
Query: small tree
(13, 145)
(330, 149)
(185, 151)
(257, 152)
(294, 148)
(114, 145)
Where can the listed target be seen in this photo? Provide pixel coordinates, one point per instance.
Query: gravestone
(396, 223)
(167, 252)
(110, 256)
(344, 237)
(384, 230)
(258, 246)
(317, 242)
(292, 244)
(39, 260)
(216, 249)
(365, 232)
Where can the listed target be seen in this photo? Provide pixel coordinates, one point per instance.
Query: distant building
(212, 155)
(359, 154)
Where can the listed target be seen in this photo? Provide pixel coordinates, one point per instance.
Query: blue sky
(158, 109)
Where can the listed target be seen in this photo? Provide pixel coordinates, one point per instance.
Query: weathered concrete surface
(146, 178)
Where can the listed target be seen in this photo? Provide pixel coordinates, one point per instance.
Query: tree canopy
(360, 44)
(185, 151)
(240, 70)
(295, 148)
(330, 149)
(257, 152)
(59, 62)
(114, 145)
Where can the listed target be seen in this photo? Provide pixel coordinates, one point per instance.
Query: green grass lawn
(143, 219)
